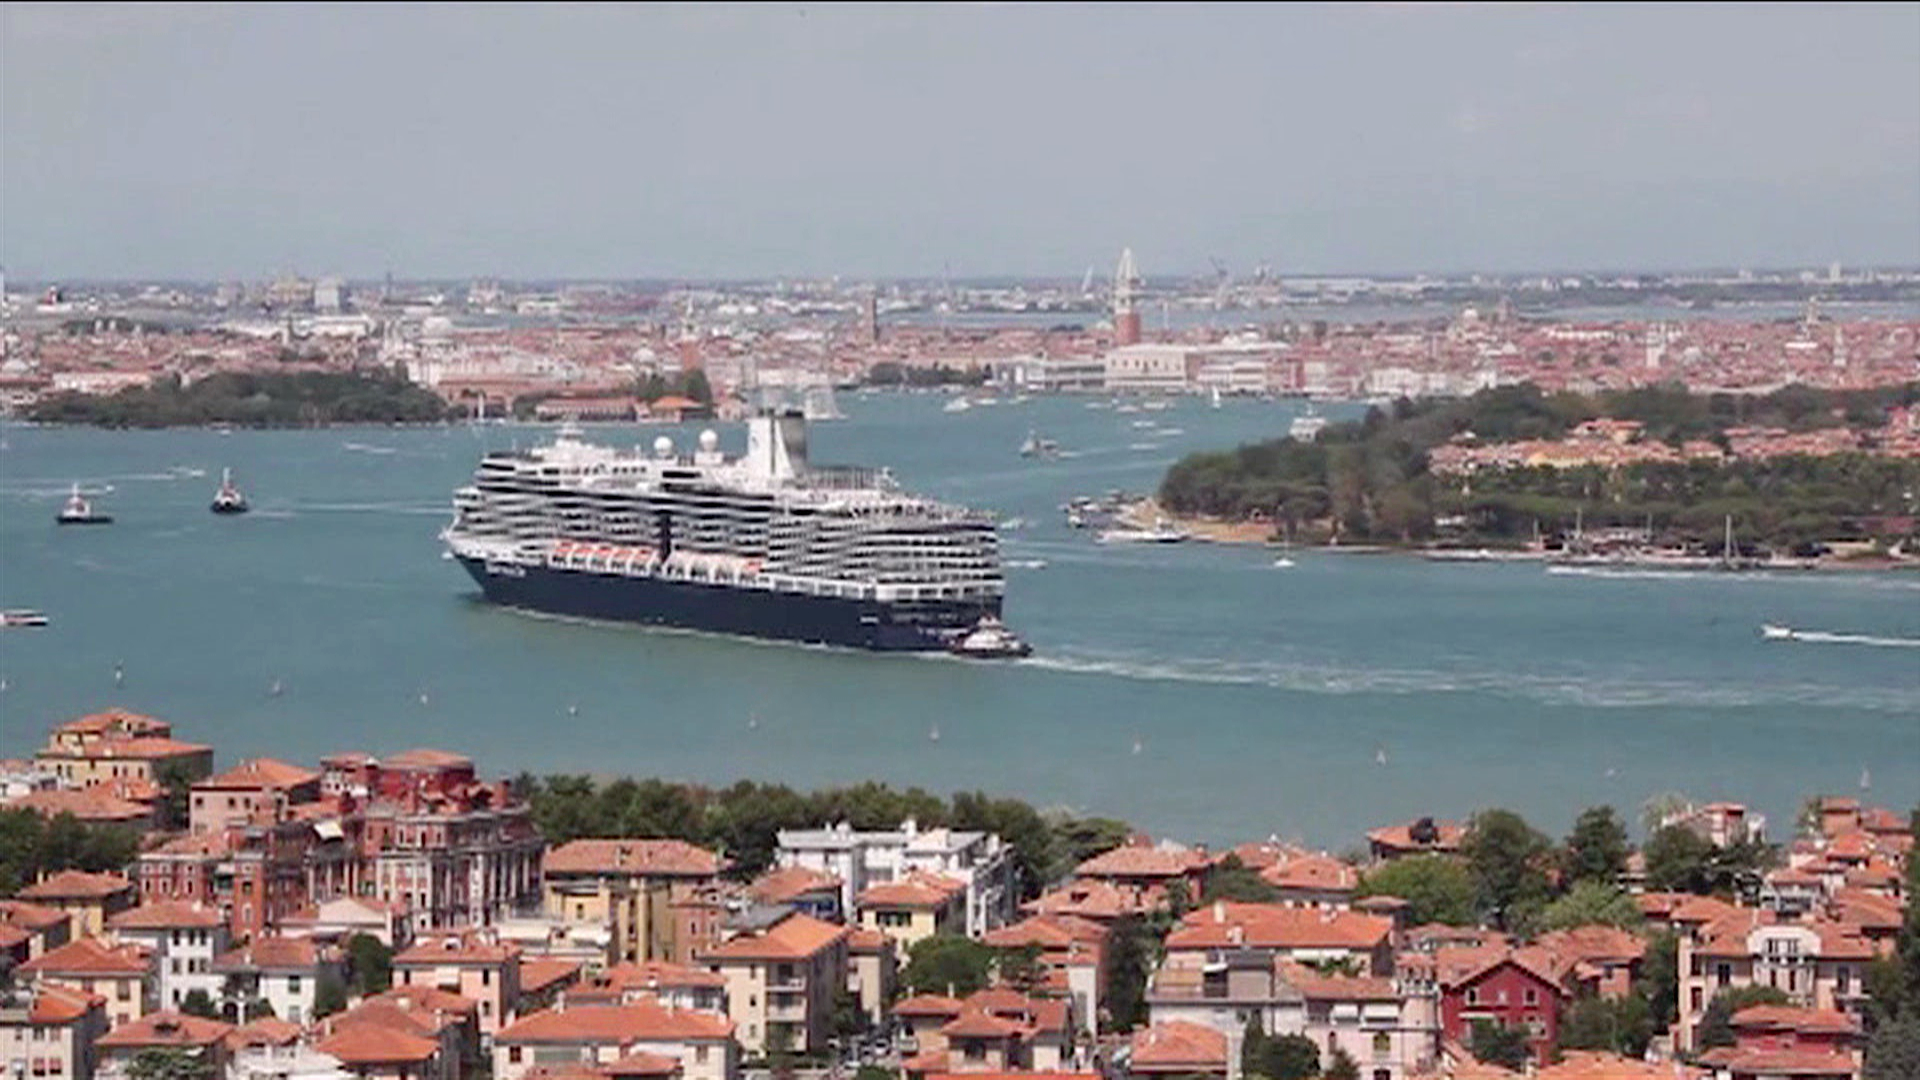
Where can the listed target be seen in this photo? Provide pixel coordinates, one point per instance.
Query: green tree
(1497, 1044)
(1617, 1025)
(850, 1021)
(1179, 898)
(1659, 981)
(1677, 860)
(1893, 1051)
(875, 1072)
(1253, 1047)
(1591, 902)
(1021, 968)
(1505, 855)
(369, 965)
(329, 995)
(1135, 950)
(1289, 1057)
(171, 1063)
(1437, 888)
(946, 964)
(198, 1002)
(176, 784)
(1341, 1066)
(1597, 847)
(1233, 880)
(1716, 1028)
(780, 1061)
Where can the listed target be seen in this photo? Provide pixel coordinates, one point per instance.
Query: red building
(1516, 989)
(1781, 1040)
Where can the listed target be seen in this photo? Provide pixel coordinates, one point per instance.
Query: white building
(1151, 369)
(864, 859)
(284, 972)
(184, 939)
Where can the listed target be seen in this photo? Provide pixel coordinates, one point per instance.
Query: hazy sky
(211, 141)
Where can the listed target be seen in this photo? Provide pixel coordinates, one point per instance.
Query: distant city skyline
(201, 142)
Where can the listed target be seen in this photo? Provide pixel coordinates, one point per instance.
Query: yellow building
(917, 906)
(782, 979)
(89, 899)
(637, 892)
(120, 745)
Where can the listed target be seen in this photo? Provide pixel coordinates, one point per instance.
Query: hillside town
(580, 352)
(403, 917)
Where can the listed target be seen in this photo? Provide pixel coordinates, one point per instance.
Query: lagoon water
(1195, 690)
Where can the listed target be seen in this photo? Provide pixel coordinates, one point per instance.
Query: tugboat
(228, 499)
(990, 640)
(79, 511)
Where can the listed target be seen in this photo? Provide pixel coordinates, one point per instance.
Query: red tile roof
(266, 1031)
(1272, 926)
(115, 719)
(795, 937)
(130, 749)
(1097, 900)
(261, 773)
(86, 805)
(639, 1021)
(54, 1004)
(428, 998)
(425, 759)
(1179, 1047)
(1449, 836)
(271, 953)
(454, 950)
(790, 883)
(927, 1005)
(374, 1044)
(1788, 1018)
(1048, 932)
(76, 885)
(1317, 987)
(639, 858)
(166, 1029)
(980, 1024)
(1596, 1065)
(167, 915)
(1322, 873)
(655, 974)
(641, 1063)
(35, 917)
(862, 939)
(542, 973)
(1134, 860)
(1785, 1062)
(917, 890)
(88, 956)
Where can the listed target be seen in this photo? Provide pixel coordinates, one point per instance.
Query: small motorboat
(228, 499)
(22, 617)
(1775, 632)
(79, 511)
(1283, 563)
(990, 640)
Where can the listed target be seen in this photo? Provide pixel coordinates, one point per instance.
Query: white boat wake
(1825, 637)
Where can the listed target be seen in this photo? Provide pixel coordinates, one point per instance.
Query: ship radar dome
(709, 440)
(663, 447)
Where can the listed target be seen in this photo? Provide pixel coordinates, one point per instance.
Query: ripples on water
(1192, 688)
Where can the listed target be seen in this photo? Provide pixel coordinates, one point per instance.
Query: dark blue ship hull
(820, 620)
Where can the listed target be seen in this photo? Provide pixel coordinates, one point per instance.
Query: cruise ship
(767, 545)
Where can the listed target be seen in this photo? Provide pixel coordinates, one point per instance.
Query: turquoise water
(1194, 690)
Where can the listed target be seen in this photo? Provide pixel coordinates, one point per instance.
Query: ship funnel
(776, 445)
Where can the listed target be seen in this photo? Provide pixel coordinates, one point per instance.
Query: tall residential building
(635, 890)
(861, 860)
(782, 979)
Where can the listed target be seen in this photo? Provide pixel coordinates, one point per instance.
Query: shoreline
(1144, 512)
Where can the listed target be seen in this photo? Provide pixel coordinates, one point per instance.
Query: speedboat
(228, 499)
(958, 404)
(990, 640)
(79, 511)
(1774, 632)
(1283, 563)
(1035, 446)
(22, 617)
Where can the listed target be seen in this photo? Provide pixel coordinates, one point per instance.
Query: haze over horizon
(206, 141)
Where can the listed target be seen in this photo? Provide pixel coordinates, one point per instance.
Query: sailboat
(228, 499)
(1213, 396)
(79, 511)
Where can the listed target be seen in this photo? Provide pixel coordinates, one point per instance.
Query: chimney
(1219, 911)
